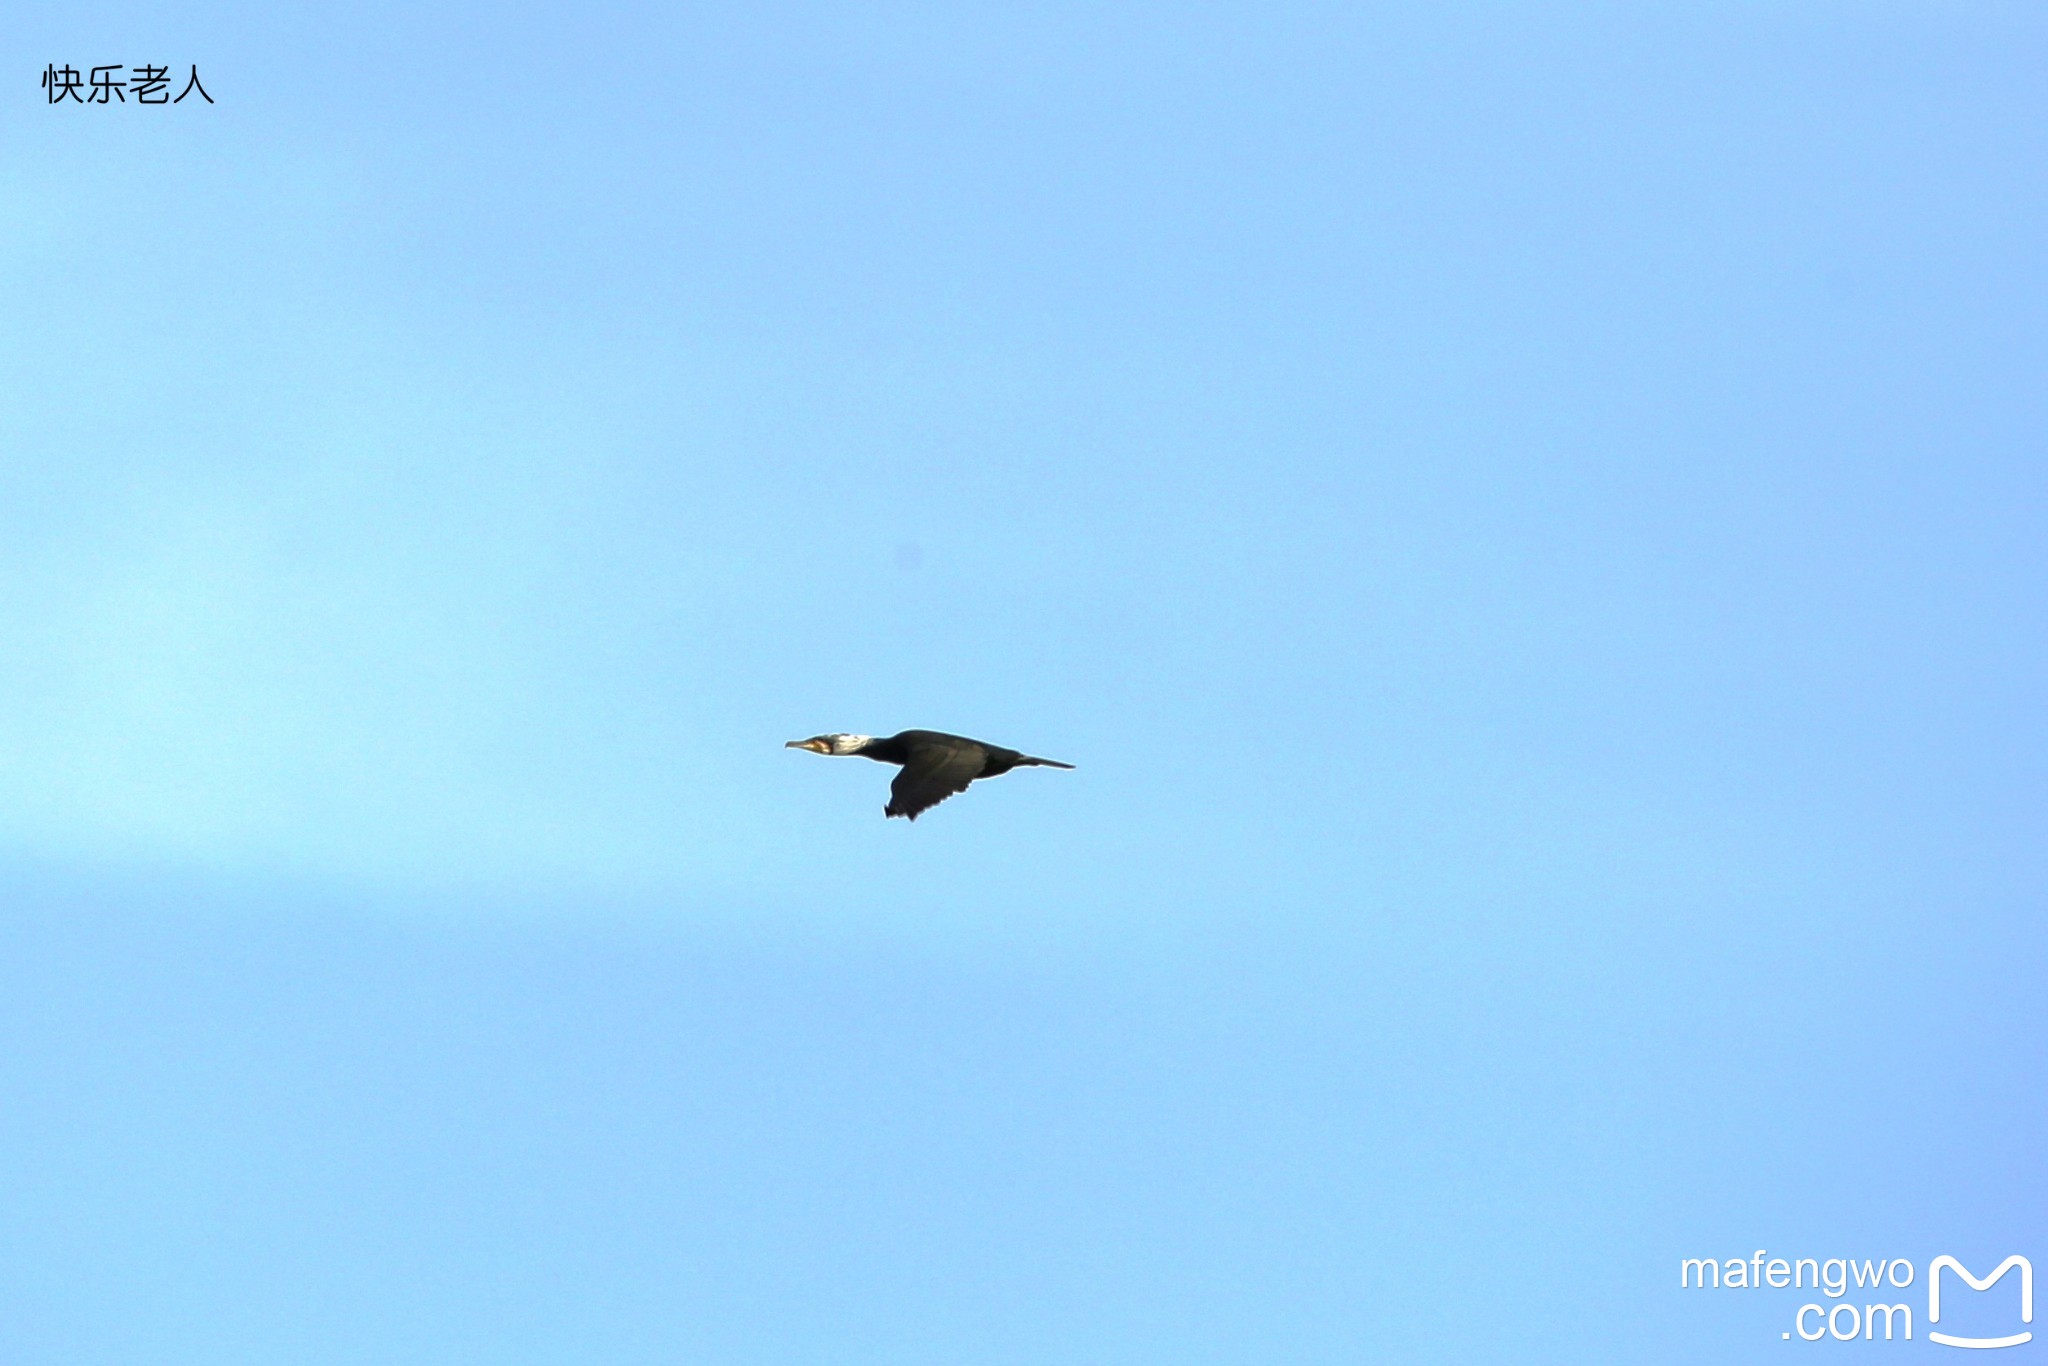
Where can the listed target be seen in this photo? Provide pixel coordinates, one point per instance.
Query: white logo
(1877, 1279)
(1934, 1299)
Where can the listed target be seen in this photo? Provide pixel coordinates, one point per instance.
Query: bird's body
(935, 765)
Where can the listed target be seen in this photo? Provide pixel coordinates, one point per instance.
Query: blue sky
(1530, 523)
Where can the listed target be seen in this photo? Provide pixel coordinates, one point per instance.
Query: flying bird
(935, 765)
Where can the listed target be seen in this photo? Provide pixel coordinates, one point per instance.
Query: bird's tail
(1041, 763)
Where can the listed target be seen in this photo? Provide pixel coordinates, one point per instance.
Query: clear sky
(1531, 521)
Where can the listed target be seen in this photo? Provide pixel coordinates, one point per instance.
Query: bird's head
(831, 744)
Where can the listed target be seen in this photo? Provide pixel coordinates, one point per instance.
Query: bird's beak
(814, 746)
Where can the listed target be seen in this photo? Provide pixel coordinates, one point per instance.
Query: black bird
(935, 765)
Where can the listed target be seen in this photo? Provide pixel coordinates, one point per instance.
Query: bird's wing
(932, 774)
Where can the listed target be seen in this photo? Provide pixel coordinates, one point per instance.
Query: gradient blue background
(1533, 525)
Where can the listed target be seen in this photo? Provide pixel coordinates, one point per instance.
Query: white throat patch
(848, 744)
